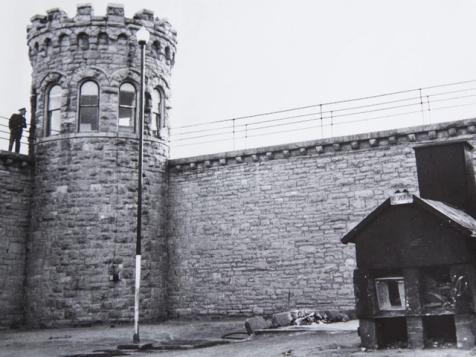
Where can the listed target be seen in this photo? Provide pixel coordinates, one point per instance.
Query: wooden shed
(415, 282)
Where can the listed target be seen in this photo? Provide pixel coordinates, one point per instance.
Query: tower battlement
(56, 30)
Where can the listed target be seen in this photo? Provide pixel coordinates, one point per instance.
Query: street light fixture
(142, 36)
(142, 39)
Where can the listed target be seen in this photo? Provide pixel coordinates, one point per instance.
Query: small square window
(390, 293)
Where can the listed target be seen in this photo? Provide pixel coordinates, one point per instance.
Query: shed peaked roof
(455, 217)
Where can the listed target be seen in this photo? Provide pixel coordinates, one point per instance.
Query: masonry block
(368, 333)
(465, 331)
(415, 332)
(84, 12)
(255, 323)
(282, 319)
(15, 191)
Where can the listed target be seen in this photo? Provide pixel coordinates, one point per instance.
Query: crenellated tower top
(55, 25)
(67, 52)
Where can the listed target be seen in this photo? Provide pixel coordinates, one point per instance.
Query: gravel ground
(329, 340)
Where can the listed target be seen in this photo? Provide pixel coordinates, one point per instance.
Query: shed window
(390, 293)
(127, 106)
(436, 287)
(89, 106)
(53, 115)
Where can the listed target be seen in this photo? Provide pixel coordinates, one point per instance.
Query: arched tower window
(53, 114)
(127, 106)
(157, 120)
(89, 106)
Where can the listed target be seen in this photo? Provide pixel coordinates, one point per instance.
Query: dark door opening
(439, 331)
(392, 332)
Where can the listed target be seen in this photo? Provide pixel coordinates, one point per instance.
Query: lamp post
(142, 38)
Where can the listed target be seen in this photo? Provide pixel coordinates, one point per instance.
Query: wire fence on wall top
(406, 108)
(412, 107)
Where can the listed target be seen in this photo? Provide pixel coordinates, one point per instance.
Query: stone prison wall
(258, 231)
(15, 190)
(237, 233)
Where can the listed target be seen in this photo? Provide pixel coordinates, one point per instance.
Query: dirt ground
(330, 340)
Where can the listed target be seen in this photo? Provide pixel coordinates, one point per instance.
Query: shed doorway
(392, 332)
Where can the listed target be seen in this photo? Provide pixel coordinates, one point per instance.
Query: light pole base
(135, 338)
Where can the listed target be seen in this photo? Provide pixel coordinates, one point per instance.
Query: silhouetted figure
(16, 124)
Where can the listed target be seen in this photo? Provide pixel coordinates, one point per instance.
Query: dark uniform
(16, 124)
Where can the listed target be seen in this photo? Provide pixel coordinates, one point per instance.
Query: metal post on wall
(142, 38)
(234, 146)
(32, 131)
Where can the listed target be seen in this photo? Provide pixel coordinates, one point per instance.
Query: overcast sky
(239, 57)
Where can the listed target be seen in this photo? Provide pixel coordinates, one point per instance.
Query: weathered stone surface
(67, 51)
(84, 203)
(464, 331)
(282, 319)
(414, 332)
(255, 323)
(254, 237)
(15, 191)
(84, 227)
(272, 228)
(368, 333)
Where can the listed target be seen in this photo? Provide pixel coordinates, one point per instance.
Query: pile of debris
(295, 318)
(305, 317)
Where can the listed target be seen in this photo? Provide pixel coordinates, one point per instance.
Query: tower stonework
(86, 75)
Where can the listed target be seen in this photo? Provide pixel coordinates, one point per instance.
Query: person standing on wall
(16, 124)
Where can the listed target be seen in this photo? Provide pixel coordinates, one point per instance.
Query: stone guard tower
(86, 74)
